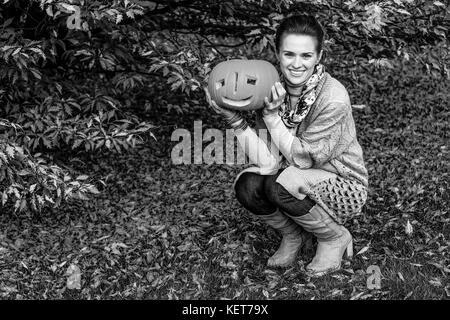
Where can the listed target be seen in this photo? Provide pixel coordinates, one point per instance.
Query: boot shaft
(318, 222)
(281, 222)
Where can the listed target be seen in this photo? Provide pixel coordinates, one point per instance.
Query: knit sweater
(322, 156)
(326, 139)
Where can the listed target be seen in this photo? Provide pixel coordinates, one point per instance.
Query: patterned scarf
(293, 115)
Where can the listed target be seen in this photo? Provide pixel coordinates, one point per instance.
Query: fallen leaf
(184, 247)
(150, 277)
(436, 283)
(408, 295)
(363, 249)
(416, 264)
(311, 285)
(408, 228)
(349, 271)
(336, 292)
(356, 297)
(365, 296)
(339, 277)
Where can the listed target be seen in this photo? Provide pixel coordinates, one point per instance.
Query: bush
(76, 76)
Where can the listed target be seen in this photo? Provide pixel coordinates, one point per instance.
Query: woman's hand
(278, 95)
(230, 116)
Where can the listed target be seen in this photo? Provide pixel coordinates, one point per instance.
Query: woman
(320, 180)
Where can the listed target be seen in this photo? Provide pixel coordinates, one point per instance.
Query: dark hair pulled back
(300, 24)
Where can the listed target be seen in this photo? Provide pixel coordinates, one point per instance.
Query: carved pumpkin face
(242, 84)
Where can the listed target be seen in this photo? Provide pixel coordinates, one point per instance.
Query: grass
(164, 231)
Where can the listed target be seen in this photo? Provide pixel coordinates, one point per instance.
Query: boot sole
(283, 265)
(322, 273)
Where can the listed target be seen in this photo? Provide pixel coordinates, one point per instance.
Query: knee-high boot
(294, 237)
(333, 240)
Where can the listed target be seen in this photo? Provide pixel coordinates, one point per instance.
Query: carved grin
(237, 103)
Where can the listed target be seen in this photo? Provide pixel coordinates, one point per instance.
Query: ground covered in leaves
(165, 231)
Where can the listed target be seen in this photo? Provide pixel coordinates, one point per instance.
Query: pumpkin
(242, 84)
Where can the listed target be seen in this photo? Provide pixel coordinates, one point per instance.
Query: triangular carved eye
(251, 80)
(220, 84)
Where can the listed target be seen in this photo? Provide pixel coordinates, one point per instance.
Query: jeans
(262, 195)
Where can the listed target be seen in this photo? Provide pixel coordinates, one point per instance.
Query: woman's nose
(297, 62)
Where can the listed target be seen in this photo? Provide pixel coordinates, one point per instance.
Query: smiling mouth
(296, 72)
(237, 103)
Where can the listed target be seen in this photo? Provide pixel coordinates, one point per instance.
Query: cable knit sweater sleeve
(325, 138)
(258, 152)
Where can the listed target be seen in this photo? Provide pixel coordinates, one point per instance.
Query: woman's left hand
(278, 95)
(230, 116)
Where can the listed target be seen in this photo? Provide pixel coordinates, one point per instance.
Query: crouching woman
(313, 178)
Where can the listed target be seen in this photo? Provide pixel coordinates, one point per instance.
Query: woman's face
(298, 56)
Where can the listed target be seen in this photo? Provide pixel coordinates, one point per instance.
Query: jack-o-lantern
(242, 84)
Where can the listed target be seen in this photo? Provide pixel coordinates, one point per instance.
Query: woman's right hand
(278, 95)
(228, 115)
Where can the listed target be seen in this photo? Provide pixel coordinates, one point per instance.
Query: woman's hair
(300, 24)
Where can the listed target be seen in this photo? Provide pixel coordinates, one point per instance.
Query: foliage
(78, 75)
(58, 108)
(29, 182)
(164, 231)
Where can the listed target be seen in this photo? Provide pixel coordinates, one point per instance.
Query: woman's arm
(325, 138)
(257, 150)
